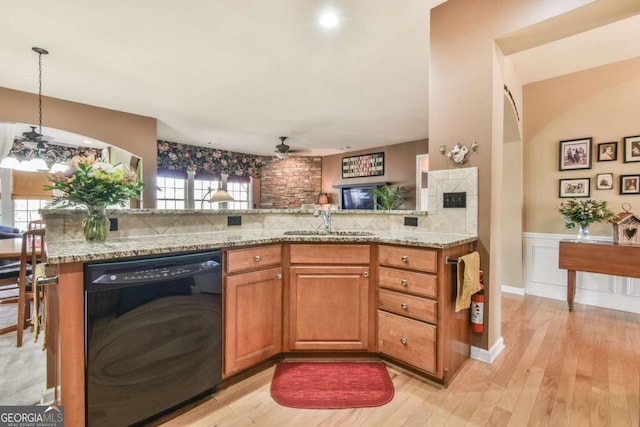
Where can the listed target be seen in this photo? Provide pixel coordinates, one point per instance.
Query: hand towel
(468, 279)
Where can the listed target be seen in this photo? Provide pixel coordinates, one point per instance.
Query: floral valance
(182, 158)
(52, 153)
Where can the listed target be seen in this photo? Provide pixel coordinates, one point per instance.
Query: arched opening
(512, 199)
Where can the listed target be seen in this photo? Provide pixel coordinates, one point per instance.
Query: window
(240, 192)
(191, 192)
(200, 189)
(26, 210)
(171, 193)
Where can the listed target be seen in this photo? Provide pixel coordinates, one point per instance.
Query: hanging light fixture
(38, 161)
(35, 156)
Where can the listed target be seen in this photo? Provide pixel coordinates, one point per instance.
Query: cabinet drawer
(407, 340)
(408, 281)
(407, 305)
(329, 254)
(253, 258)
(410, 258)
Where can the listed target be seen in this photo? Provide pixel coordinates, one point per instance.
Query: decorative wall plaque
(364, 165)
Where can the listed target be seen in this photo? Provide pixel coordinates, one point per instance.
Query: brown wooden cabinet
(329, 297)
(253, 306)
(417, 323)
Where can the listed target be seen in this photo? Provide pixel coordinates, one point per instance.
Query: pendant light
(41, 149)
(36, 156)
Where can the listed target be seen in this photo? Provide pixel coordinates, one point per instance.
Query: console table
(597, 257)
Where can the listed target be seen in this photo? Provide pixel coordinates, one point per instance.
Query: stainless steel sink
(326, 233)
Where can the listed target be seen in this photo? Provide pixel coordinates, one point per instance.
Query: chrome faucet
(326, 217)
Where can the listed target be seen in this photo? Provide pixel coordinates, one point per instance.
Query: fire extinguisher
(477, 309)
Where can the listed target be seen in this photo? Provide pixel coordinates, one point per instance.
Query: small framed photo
(604, 181)
(575, 188)
(629, 184)
(575, 154)
(632, 149)
(607, 151)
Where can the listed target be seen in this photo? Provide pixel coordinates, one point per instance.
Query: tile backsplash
(67, 224)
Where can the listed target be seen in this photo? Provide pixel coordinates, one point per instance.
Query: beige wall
(133, 133)
(466, 82)
(603, 103)
(399, 169)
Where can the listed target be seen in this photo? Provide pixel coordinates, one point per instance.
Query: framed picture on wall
(604, 181)
(575, 188)
(363, 165)
(607, 151)
(629, 184)
(632, 149)
(575, 154)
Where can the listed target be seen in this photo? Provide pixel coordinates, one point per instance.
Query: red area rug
(331, 385)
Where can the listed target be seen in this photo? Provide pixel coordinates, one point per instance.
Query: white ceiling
(239, 74)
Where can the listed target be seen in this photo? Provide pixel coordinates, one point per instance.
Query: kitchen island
(447, 349)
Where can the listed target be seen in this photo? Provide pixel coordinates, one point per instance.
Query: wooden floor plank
(521, 413)
(558, 369)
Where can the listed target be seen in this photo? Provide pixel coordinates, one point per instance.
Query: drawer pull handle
(404, 306)
(278, 276)
(404, 282)
(403, 340)
(256, 258)
(405, 258)
(365, 274)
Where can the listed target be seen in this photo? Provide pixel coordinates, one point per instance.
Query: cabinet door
(253, 318)
(328, 308)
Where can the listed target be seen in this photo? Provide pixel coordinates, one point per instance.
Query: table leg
(571, 288)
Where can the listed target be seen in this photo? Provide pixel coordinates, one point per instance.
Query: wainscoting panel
(544, 278)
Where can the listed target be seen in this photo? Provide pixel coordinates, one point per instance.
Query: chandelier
(30, 152)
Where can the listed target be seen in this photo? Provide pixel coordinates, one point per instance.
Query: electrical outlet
(411, 221)
(234, 220)
(455, 200)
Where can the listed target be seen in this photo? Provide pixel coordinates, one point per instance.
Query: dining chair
(9, 273)
(36, 224)
(34, 254)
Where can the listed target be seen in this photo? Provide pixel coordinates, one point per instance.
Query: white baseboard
(488, 356)
(512, 290)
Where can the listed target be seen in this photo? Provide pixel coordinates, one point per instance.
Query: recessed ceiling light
(86, 141)
(328, 20)
(346, 147)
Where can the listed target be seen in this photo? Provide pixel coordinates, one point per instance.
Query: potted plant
(583, 213)
(94, 185)
(389, 197)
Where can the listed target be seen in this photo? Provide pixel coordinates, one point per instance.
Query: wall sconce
(458, 152)
(323, 199)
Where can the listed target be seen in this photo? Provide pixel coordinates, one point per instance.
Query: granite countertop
(60, 252)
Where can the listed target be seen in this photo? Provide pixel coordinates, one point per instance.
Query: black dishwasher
(153, 335)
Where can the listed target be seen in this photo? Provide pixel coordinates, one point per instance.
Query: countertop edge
(149, 246)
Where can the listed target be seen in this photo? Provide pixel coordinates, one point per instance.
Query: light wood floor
(558, 369)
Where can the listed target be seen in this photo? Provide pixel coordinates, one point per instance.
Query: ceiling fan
(283, 150)
(34, 136)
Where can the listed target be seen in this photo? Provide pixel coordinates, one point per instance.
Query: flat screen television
(358, 198)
